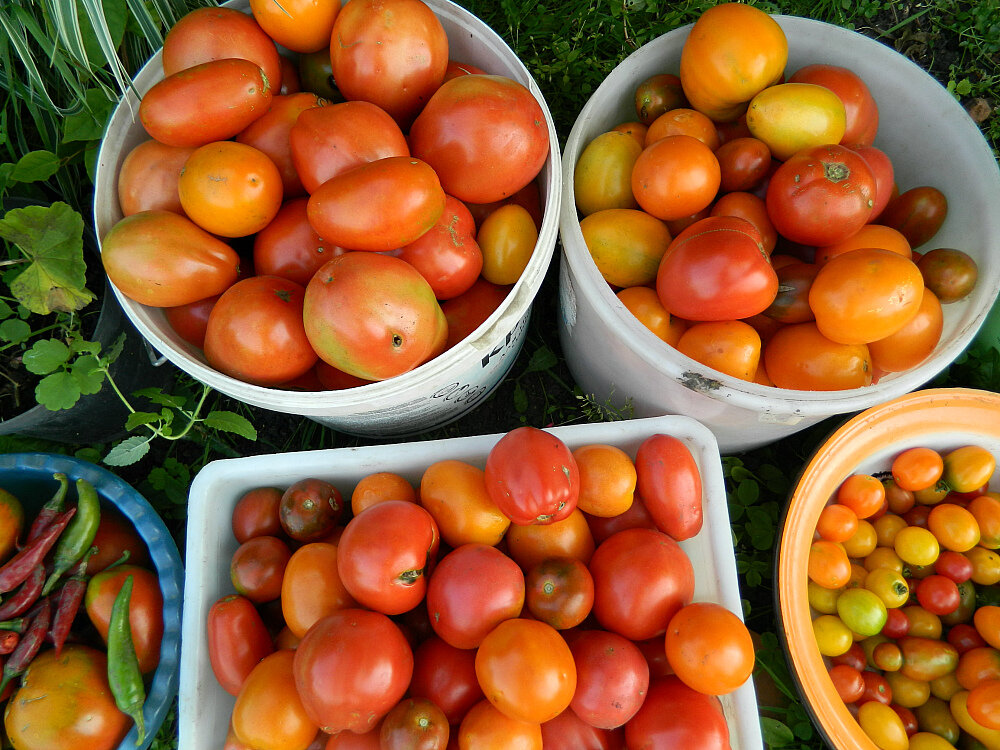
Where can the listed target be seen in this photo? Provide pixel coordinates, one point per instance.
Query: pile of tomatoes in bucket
(543, 600)
(376, 232)
(748, 221)
(81, 622)
(903, 578)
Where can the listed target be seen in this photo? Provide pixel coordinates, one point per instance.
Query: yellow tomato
(792, 116)
(507, 239)
(626, 245)
(603, 175)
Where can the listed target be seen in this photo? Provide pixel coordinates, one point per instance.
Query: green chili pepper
(79, 534)
(124, 676)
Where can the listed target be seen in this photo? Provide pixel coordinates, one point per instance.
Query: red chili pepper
(49, 511)
(8, 641)
(25, 596)
(68, 601)
(16, 570)
(31, 641)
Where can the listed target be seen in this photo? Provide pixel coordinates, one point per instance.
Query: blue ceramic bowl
(29, 477)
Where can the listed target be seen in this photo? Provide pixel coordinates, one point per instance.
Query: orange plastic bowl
(941, 418)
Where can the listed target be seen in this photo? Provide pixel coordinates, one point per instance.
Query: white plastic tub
(205, 708)
(433, 394)
(931, 140)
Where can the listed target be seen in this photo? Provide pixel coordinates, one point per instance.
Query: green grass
(569, 46)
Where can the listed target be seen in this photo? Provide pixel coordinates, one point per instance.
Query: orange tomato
(311, 587)
(837, 523)
(570, 537)
(507, 239)
(634, 129)
(526, 670)
(379, 487)
(865, 295)
(486, 728)
(675, 177)
(607, 480)
(828, 564)
(977, 665)
(626, 245)
(986, 510)
(799, 356)
(914, 342)
(954, 526)
(870, 235)
(730, 346)
(748, 206)
(983, 704)
(987, 622)
(862, 493)
(917, 468)
(644, 303)
(268, 714)
(454, 493)
(709, 648)
(733, 52)
(683, 121)
(230, 189)
(299, 25)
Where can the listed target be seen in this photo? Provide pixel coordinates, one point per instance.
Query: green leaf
(82, 346)
(57, 391)
(35, 166)
(88, 373)
(115, 14)
(157, 396)
(45, 356)
(88, 124)
(228, 421)
(115, 350)
(128, 451)
(520, 399)
(51, 238)
(139, 418)
(15, 331)
(747, 492)
(88, 454)
(542, 359)
(776, 733)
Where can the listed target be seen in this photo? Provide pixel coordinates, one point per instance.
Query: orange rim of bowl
(924, 412)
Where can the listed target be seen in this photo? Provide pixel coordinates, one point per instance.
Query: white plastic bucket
(931, 141)
(437, 392)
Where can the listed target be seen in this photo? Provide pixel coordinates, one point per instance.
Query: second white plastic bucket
(437, 392)
(931, 141)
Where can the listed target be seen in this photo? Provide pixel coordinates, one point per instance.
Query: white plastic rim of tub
(437, 392)
(931, 141)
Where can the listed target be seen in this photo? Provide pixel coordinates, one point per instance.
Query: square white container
(205, 707)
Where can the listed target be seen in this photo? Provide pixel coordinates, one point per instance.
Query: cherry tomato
(987, 622)
(828, 564)
(968, 468)
(964, 637)
(848, 682)
(862, 611)
(837, 523)
(883, 726)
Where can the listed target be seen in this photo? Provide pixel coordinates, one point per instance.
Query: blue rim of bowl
(166, 559)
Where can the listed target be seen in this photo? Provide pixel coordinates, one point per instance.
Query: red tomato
(190, 321)
(469, 310)
(270, 133)
(351, 668)
(310, 509)
(526, 670)
(255, 332)
(743, 163)
(257, 567)
(414, 724)
(373, 316)
(559, 591)
(289, 247)
(446, 675)
(532, 477)
(674, 716)
(669, 482)
(385, 553)
(145, 609)
(748, 206)
(237, 640)
(206, 34)
(393, 53)
(147, 179)
(65, 701)
(447, 255)
(821, 195)
(115, 535)
(859, 105)
(569, 732)
(161, 259)
(636, 517)
(881, 166)
(456, 68)
(612, 677)
(791, 305)
(642, 578)
(209, 102)
(486, 137)
(473, 573)
(918, 213)
(256, 514)
(658, 94)
(716, 269)
(330, 140)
